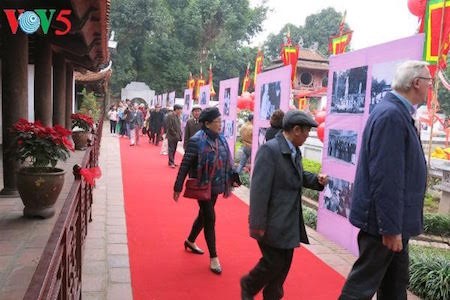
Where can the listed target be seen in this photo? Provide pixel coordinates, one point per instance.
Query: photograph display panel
(203, 100)
(337, 196)
(164, 100)
(382, 75)
(349, 91)
(358, 82)
(272, 92)
(187, 107)
(171, 100)
(228, 94)
(342, 145)
(270, 99)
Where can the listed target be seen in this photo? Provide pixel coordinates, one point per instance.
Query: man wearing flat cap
(192, 125)
(276, 219)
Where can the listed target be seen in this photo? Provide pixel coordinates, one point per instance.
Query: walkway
(106, 273)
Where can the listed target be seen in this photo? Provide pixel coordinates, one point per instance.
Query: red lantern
(417, 7)
(321, 131)
(320, 116)
(245, 103)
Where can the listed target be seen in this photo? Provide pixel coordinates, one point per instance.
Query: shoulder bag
(194, 190)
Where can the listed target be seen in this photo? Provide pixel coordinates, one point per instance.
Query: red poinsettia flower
(40, 145)
(82, 121)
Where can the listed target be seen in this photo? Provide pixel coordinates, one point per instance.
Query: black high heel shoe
(216, 269)
(193, 249)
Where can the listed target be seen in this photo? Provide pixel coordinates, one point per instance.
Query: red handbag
(193, 190)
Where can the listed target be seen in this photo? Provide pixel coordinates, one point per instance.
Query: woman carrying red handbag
(207, 158)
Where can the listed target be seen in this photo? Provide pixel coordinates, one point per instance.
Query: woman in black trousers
(208, 158)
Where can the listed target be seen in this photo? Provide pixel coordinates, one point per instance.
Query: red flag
(191, 81)
(200, 82)
(437, 32)
(289, 55)
(246, 80)
(258, 65)
(338, 43)
(212, 92)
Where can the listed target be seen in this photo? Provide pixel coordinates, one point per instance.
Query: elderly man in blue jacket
(389, 189)
(276, 219)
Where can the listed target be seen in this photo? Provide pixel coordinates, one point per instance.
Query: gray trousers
(377, 270)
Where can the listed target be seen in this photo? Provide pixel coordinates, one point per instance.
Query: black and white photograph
(184, 118)
(349, 91)
(226, 101)
(261, 136)
(382, 75)
(270, 99)
(337, 196)
(203, 98)
(187, 102)
(342, 145)
(228, 128)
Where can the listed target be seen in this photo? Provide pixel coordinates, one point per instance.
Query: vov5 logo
(30, 21)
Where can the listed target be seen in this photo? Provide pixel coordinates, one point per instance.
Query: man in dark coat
(192, 125)
(156, 123)
(276, 219)
(173, 132)
(389, 189)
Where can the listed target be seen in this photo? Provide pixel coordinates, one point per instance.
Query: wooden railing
(58, 274)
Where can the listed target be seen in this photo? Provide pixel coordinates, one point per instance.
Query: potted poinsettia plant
(39, 148)
(82, 124)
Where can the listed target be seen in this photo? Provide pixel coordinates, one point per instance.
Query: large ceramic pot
(80, 139)
(39, 189)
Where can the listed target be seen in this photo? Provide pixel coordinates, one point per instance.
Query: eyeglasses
(430, 79)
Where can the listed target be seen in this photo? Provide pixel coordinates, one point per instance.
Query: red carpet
(157, 227)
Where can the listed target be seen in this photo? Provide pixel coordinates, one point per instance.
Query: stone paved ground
(22, 240)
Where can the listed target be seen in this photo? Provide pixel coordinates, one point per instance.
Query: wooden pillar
(43, 104)
(59, 90)
(14, 100)
(69, 95)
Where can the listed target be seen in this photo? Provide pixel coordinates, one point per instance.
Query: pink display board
(187, 107)
(164, 100)
(171, 100)
(357, 81)
(272, 92)
(203, 98)
(228, 94)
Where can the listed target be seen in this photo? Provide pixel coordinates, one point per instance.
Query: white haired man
(389, 189)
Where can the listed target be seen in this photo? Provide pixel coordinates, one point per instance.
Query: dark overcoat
(390, 179)
(275, 195)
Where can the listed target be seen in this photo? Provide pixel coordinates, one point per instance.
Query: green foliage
(437, 224)
(310, 217)
(318, 28)
(429, 276)
(89, 105)
(161, 41)
(311, 194)
(431, 203)
(429, 251)
(245, 179)
(311, 165)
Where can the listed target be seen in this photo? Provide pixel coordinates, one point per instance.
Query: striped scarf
(209, 145)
